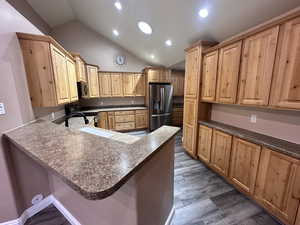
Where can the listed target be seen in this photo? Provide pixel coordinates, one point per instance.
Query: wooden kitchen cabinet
(209, 77)
(277, 186)
(177, 80)
(158, 75)
(220, 152)
(257, 67)
(228, 73)
(93, 81)
(177, 116)
(80, 68)
(165, 76)
(111, 121)
(139, 84)
(204, 145)
(141, 119)
(286, 82)
(103, 120)
(128, 85)
(116, 85)
(244, 164)
(105, 84)
(61, 75)
(71, 72)
(153, 75)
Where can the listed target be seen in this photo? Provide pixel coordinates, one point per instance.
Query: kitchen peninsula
(93, 175)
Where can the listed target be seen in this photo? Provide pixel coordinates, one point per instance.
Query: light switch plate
(2, 108)
(253, 119)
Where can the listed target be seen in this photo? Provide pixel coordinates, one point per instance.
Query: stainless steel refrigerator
(160, 102)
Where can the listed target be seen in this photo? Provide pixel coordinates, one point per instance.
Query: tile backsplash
(112, 101)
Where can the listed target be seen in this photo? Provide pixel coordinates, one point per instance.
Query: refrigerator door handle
(162, 98)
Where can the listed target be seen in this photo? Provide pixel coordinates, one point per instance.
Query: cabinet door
(204, 144)
(80, 69)
(83, 71)
(116, 85)
(93, 81)
(181, 84)
(141, 119)
(209, 80)
(177, 80)
(165, 76)
(103, 120)
(71, 71)
(220, 152)
(139, 84)
(228, 73)
(244, 164)
(257, 67)
(128, 84)
(111, 122)
(277, 187)
(60, 75)
(105, 84)
(190, 125)
(192, 72)
(153, 75)
(286, 88)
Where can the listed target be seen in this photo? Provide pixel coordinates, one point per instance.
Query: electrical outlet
(2, 109)
(101, 103)
(36, 199)
(253, 118)
(132, 102)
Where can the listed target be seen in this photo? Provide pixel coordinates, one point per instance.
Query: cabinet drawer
(141, 112)
(122, 119)
(125, 126)
(111, 113)
(124, 113)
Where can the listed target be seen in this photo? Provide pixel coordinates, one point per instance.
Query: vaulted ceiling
(177, 20)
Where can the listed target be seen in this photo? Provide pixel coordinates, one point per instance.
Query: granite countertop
(92, 165)
(275, 144)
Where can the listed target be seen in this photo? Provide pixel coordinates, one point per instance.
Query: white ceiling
(177, 20)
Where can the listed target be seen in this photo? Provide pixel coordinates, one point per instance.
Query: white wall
(94, 48)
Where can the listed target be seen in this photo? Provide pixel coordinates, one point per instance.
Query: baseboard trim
(39, 207)
(170, 217)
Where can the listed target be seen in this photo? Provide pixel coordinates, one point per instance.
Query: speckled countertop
(275, 144)
(92, 165)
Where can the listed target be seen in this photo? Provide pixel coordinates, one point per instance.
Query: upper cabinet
(228, 73)
(116, 85)
(177, 80)
(105, 84)
(80, 68)
(192, 73)
(93, 81)
(209, 76)
(158, 75)
(50, 71)
(139, 84)
(128, 85)
(286, 83)
(257, 67)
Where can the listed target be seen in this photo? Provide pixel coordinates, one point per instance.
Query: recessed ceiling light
(203, 13)
(116, 33)
(152, 56)
(145, 27)
(168, 42)
(118, 5)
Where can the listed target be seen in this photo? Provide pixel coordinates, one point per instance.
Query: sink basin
(97, 132)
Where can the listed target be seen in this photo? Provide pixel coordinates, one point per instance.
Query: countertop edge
(229, 129)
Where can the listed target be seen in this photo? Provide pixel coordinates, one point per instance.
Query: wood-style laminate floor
(204, 198)
(201, 198)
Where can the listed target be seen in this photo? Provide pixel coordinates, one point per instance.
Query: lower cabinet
(177, 116)
(204, 144)
(141, 119)
(244, 164)
(220, 152)
(103, 120)
(278, 185)
(270, 178)
(111, 121)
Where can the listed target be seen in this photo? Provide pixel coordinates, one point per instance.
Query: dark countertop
(92, 165)
(275, 144)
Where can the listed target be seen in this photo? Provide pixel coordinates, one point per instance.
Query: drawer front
(144, 112)
(125, 126)
(111, 113)
(119, 113)
(122, 119)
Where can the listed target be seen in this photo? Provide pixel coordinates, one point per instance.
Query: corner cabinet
(286, 84)
(257, 67)
(50, 70)
(228, 73)
(93, 81)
